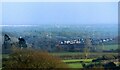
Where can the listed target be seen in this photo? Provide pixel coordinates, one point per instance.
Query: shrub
(110, 66)
(32, 59)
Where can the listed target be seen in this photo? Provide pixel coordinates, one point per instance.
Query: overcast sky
(27, 13)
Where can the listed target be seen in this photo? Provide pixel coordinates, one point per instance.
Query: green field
(4, 56)
(81, 53)
(104, 47)
(109, 47)
(78, 60)
(75, 65)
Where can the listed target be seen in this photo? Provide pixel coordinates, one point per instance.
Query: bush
(32, 59)
(110, 66)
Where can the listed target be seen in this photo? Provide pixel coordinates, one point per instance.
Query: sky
(59, 0)
(34, 13)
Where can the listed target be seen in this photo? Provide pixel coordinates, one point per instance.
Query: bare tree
(88, 46)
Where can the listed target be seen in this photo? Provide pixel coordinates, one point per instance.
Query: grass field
(104, 47)
(75, 65)
(109, 47)
(78, 60)
(4, 56)
(81, 53)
